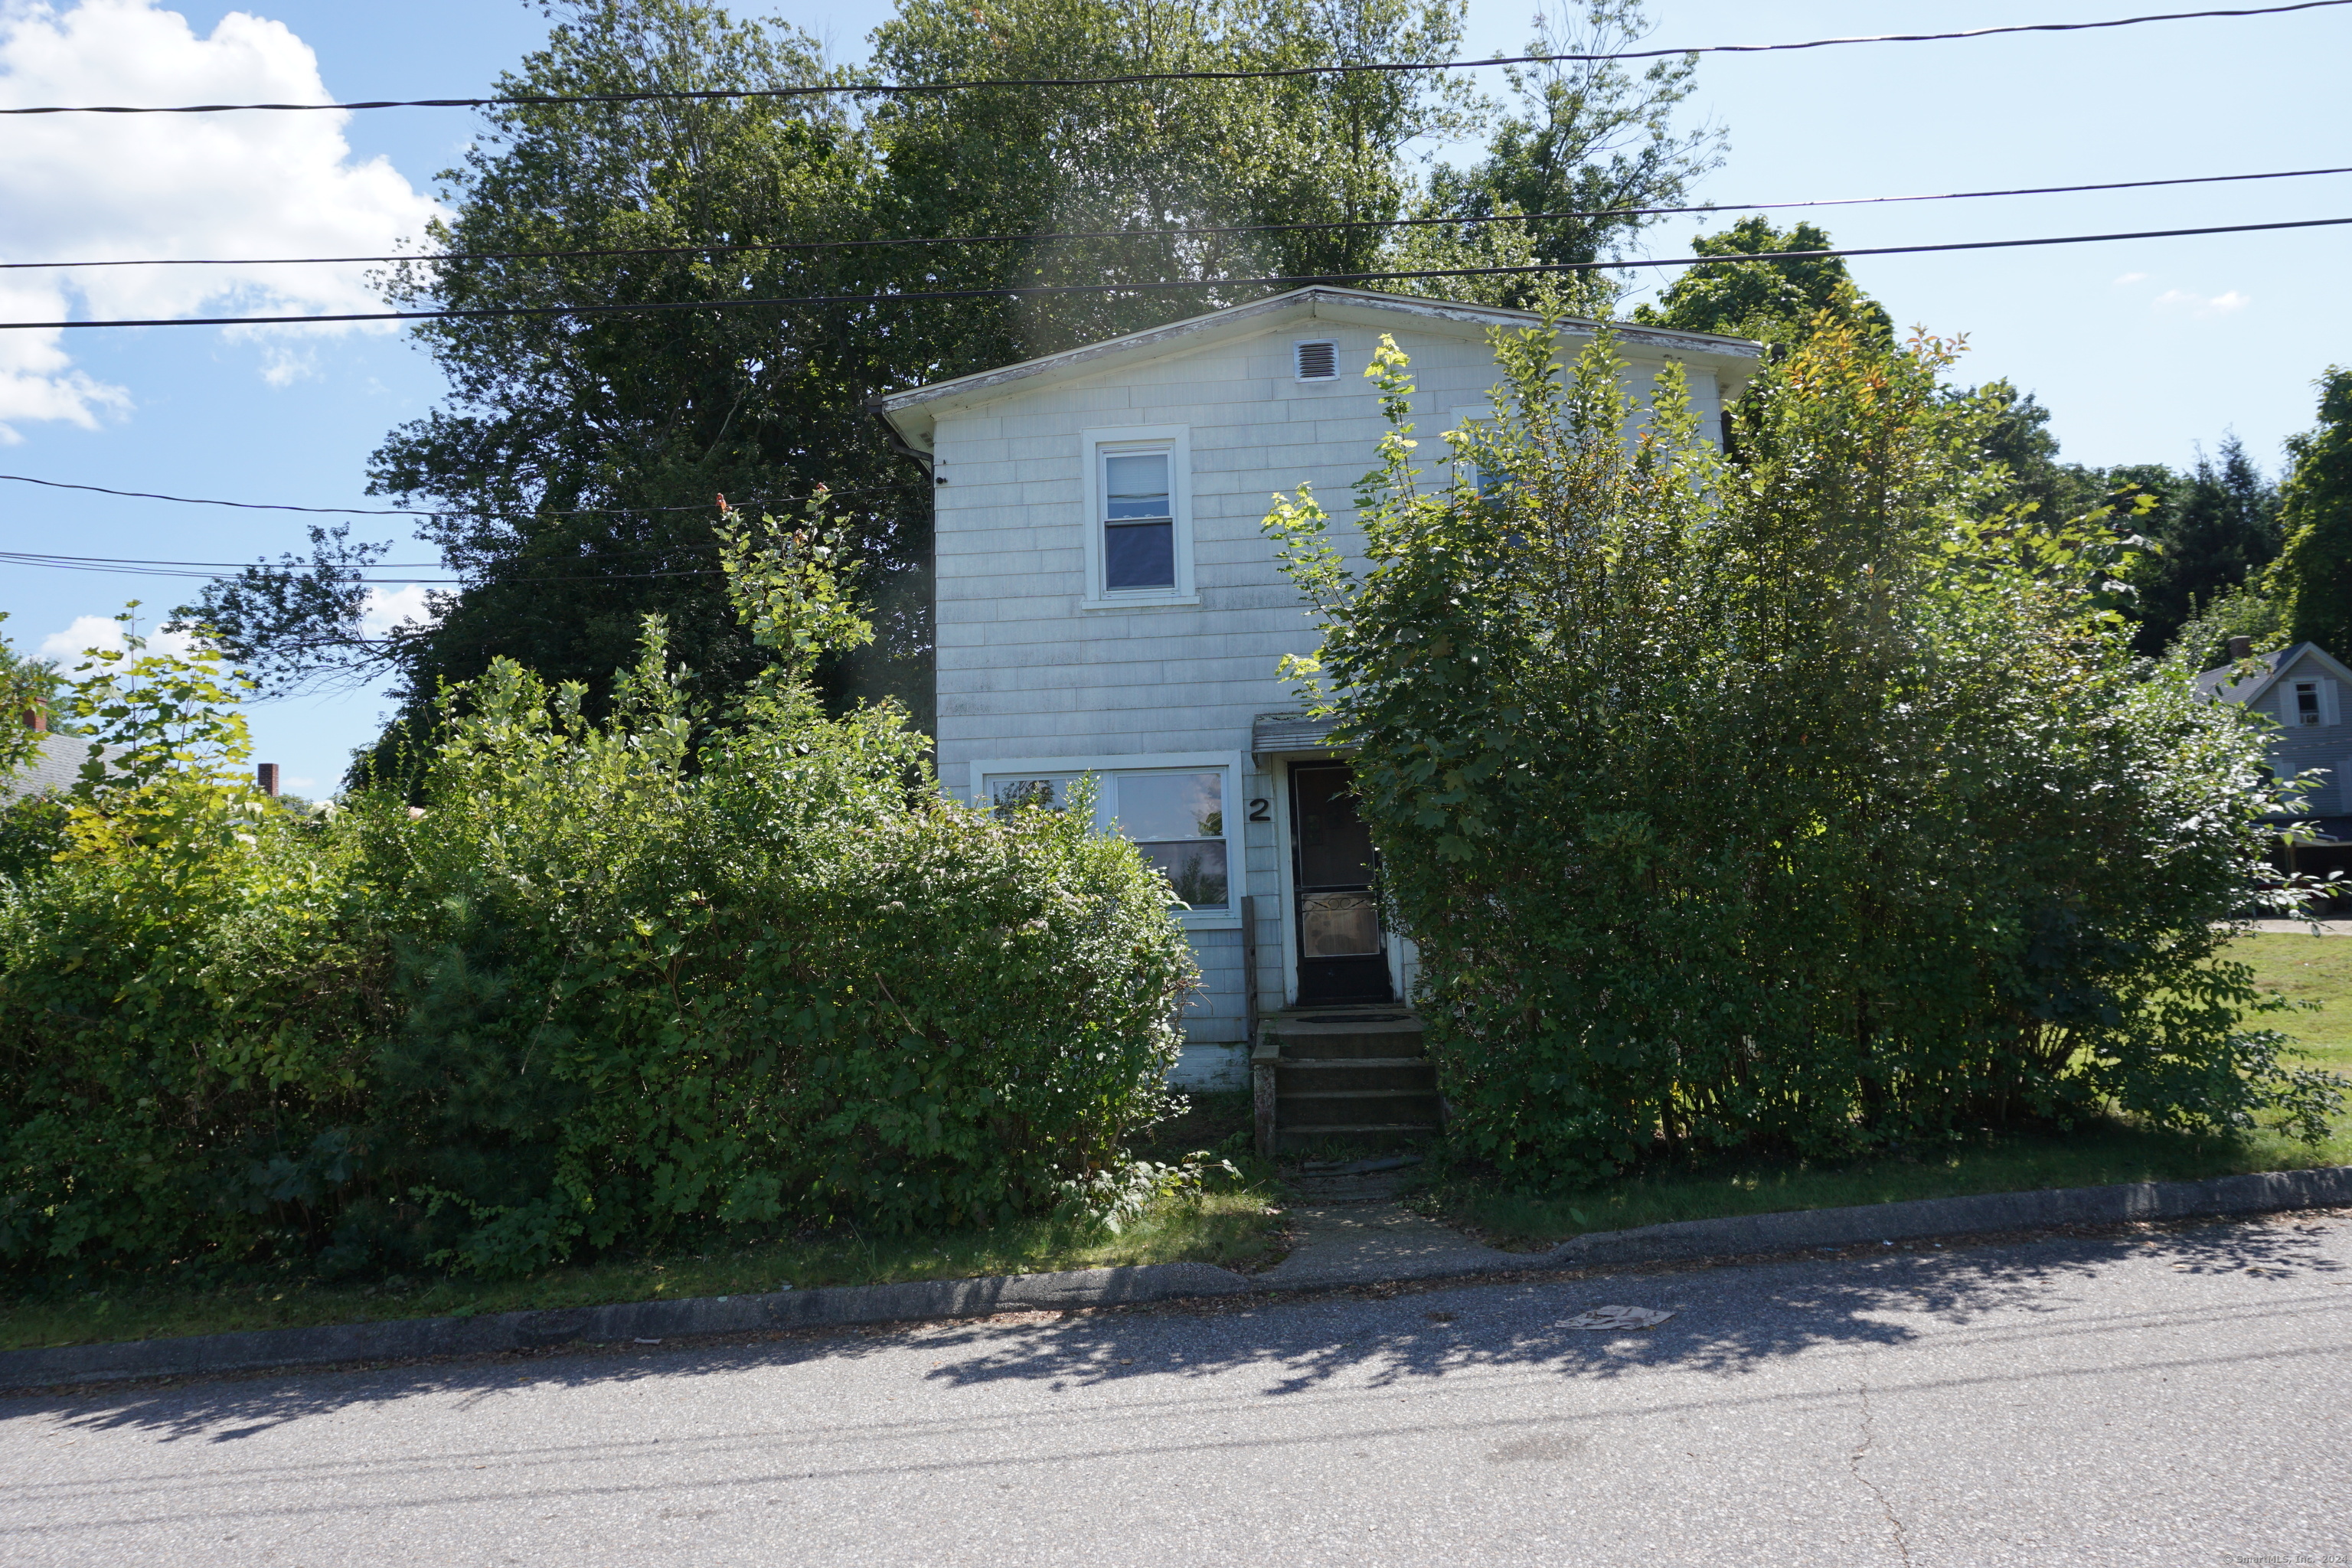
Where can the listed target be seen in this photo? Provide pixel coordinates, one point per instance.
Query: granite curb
(1684, 1241)
(407, 1339)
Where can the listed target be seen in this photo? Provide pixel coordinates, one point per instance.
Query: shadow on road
(1728, 1320)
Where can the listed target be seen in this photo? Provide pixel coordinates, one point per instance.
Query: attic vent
(1319, 362)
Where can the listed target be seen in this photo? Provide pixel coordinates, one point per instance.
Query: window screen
(1138, 521)
(1319, 362)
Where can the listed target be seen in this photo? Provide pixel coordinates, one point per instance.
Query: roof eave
(913, 412)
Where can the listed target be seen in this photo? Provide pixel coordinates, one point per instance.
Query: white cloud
(2182, 300)
(2129, 278)
(97, 187)
(89, 632)
(386, 610)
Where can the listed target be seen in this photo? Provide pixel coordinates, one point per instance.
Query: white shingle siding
(1025, 672)
(2299, 747)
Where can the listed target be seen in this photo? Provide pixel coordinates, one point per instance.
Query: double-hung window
(1139, 518)
(1175, 809)
(1138, 521)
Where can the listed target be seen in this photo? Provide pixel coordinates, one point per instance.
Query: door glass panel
(1338, 925)
(1335, 847)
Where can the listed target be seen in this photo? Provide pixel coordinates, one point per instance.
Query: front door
(1342, 956)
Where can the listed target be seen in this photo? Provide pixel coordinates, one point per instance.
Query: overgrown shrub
(605, 983)
(1776, 802)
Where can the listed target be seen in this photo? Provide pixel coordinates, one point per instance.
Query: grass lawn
(1233, 1227)
(2313, 971)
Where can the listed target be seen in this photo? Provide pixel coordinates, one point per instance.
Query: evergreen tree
(2217, 526)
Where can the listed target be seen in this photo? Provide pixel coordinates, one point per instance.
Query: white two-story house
(1108, 605)
(2308, 691)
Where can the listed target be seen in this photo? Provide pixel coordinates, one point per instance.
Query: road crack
(1853, 1463)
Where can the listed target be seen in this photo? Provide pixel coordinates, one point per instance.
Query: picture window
(1175, 816)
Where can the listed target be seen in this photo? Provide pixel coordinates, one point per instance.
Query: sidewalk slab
(1367, 1244)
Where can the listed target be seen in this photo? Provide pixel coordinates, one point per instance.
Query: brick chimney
(36, 719)
(265, 775)
(2240, 648)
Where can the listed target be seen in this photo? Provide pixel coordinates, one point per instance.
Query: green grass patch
(1231, 1226)
(2316, 972)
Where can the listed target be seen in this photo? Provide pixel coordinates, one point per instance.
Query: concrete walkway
(1352, 1231)
(2305, 928)
(1361, 1244)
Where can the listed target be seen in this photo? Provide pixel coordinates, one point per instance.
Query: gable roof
(2225, 684)
(913, 413)
(53, 768)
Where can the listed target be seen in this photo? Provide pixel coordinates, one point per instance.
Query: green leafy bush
(602, 983)
(1779, 802)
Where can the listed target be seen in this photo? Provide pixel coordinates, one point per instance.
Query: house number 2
(1258, 812)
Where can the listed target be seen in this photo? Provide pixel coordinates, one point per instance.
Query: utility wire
(888, 89)
(1166, 233)
(1051, 290)
(349, 574)
(408, 512)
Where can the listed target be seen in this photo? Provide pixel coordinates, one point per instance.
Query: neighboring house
(2309, 691)
(52, 770)
(1108, 605)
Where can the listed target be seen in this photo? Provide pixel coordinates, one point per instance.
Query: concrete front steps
(1353, 1073)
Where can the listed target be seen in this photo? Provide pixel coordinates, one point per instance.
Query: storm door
(1342, 955)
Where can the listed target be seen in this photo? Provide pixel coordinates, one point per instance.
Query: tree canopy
(572, 468)
(2313, 576)
(1775, 301)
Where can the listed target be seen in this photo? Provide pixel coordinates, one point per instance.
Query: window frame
(1094, 447)
(2323, 692)
(1229, 763)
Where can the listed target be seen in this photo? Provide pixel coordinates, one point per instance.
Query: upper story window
(1139, 518)
(2306, 704)
(1317, 361)
(1138, 521)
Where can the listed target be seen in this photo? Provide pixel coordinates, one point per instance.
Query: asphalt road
(2176, 1398)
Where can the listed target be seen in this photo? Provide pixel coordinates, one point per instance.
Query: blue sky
(2143, 349)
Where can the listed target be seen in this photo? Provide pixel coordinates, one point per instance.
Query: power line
(351, 575)
(888, 89)
(1168, 233)
(1052, 289)
(407, 512)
